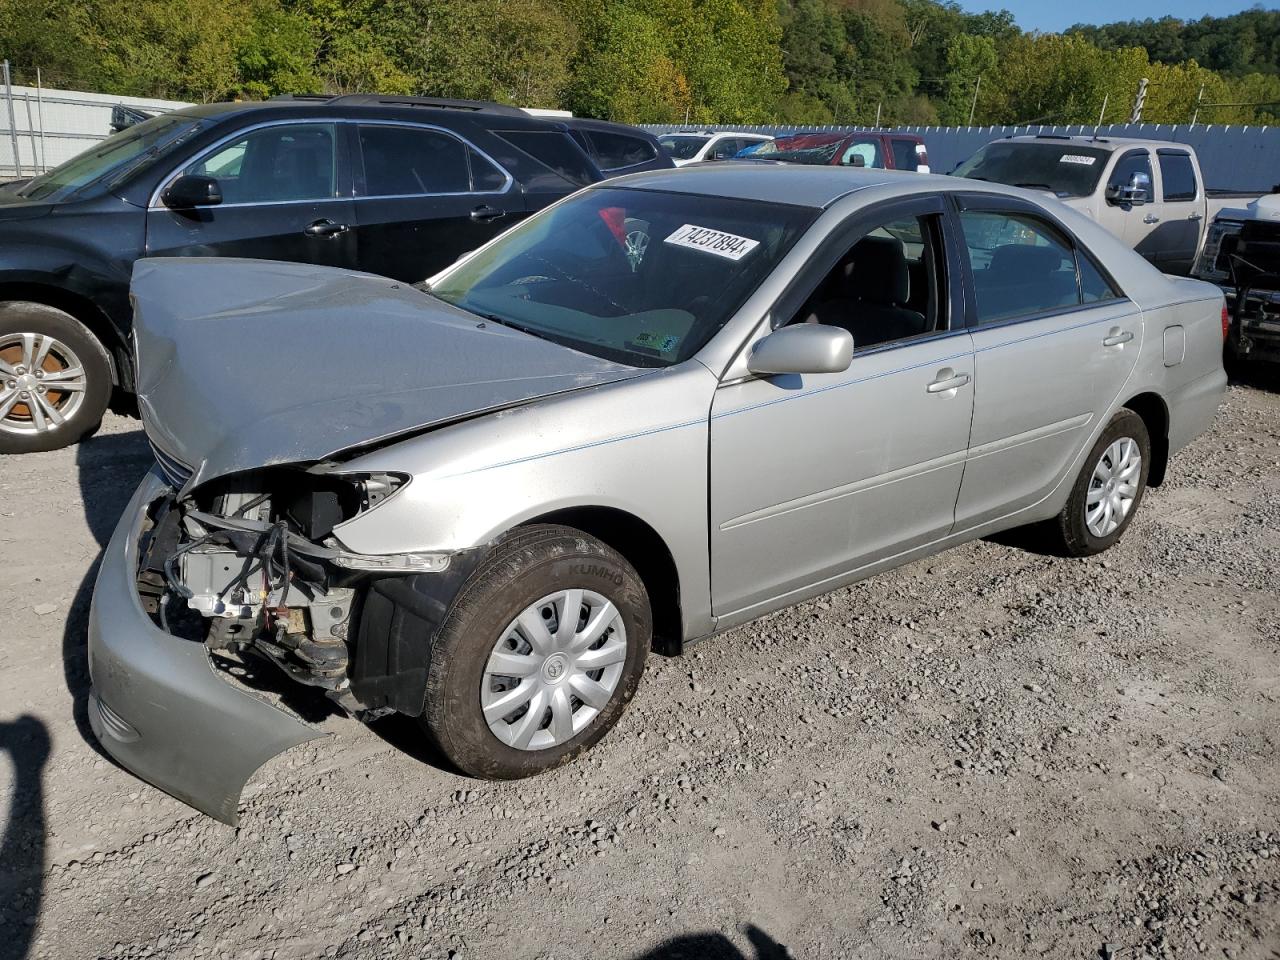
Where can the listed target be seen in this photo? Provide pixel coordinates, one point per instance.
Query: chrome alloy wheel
(1113, 487)
(42, 383)
(555, 667)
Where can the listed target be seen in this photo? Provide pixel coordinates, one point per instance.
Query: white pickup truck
(1147, 192)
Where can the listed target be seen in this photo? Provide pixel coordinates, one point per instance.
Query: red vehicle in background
(848, 148)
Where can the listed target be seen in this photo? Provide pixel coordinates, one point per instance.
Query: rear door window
(412, 161)
(554, 150)
(904, 154)
(1021, 265)
(1178, 176)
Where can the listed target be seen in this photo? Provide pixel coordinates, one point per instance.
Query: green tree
(969, 58)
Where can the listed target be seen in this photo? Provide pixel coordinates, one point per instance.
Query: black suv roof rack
(394, 100)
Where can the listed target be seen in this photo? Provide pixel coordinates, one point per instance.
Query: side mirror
(190, 191)
(855, 160)
(1136, 192)
(803, 348)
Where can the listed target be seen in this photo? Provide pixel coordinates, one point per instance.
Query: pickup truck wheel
(1108, 490)
(55, 378)
(539, 655)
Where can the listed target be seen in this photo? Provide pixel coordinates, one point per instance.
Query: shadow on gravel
(26, 741)
(1263, 376)
(716, 946)
(109, 468)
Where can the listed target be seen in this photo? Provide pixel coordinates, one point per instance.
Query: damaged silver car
(658, 409)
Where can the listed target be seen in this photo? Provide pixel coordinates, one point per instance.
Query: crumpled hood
(248, 363)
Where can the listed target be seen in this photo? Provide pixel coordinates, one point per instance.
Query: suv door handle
(1150, 218)
(325, 228)
(1117, 337)
(947, 379)
(484, 213)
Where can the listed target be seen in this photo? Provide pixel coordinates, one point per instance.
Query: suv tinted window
(616, 150)
(273, 165)
(1178, 176)
(554, 150)
(1021, 265)
(408, 161)
(904, 154)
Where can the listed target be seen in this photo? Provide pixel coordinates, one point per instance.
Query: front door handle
(1195, 216)
(325, 228)
(1117, 337)
(947, 379)
(1150, 218)
(485, 213)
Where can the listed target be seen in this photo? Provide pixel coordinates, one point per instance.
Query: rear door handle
(484, 213)
(1117, 337)
(325, 228)
(947, 379)
(1150, 218)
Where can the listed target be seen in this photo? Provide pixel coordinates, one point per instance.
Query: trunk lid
(245, 364)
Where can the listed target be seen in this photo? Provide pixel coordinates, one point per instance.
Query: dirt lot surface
(989, 754)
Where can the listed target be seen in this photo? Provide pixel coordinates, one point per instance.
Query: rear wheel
(539, 656)
(55, 378)
(1108, 490)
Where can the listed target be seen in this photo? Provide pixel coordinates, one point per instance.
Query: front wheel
(539, 656)
(55, 378)
(1108, 490)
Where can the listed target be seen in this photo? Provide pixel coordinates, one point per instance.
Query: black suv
(396, 186)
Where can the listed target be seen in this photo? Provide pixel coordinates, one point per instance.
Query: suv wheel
(539, 656)
(55, 378)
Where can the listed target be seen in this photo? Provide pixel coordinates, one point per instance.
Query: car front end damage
(1241, 254)
(249, 568)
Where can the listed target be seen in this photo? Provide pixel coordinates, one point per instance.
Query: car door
(1177, 236)
(286, 195)
(1054, 342)
(424, 197)
(815, 476)
(1132, 222)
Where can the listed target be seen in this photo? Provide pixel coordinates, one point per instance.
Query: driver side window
(888, 286)
(1137, 161)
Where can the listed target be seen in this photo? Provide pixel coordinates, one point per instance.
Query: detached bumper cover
(156, 704)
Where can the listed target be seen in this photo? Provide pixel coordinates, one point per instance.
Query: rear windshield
(1065, 168)
(640, 277)
(682, 148)
(115, 158)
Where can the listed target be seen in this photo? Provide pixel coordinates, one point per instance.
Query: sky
(1052, 16)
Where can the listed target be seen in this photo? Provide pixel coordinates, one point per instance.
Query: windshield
(822, 149)
(641, 277)
(1065, 168)
(114, 158)
(683, 148)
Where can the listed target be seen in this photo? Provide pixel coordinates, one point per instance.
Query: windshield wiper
(1035, 186)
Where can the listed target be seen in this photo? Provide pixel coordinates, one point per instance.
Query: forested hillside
(736, 61)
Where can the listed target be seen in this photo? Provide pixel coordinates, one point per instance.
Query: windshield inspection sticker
(656, 341)
(722, 244)
(1077, 158)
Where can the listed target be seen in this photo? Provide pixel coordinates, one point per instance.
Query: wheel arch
(86, 312)
(644, 548)
(1155, 415)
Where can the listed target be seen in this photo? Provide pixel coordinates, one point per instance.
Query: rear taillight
(1226, 322)
(922, 156)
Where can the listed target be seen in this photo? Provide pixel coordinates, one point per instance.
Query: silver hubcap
(553, 670)
(42, 383)
(1113, 487)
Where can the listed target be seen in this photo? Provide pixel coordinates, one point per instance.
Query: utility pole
(1139, 101)
(1195, 115)
(974, 106)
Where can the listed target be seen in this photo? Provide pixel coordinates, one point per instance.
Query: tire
(46, 418)
(527, 578)
(1071, 532)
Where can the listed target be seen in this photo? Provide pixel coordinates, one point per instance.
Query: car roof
(440, 111)
(770, 182)
(1089, 140)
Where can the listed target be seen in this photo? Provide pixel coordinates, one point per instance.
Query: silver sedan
(660, 408)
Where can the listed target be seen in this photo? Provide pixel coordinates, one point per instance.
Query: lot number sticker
(1076, 158)
(722, 244)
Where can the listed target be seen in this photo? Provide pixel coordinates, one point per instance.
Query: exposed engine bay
(1242, 254)
(250, 564)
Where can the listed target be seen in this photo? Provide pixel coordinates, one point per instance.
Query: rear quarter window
(904, 155)
(616, 150)
(553, 150)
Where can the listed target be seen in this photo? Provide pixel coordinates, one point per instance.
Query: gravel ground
(991, 753)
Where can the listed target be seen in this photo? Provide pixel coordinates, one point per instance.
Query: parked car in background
(1241, 253)
(588, 453)
(1149, 193)
(618, 148)
(694, 146)
(861, 148)
(398, 186)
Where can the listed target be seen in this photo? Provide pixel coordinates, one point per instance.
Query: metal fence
(1233, 157)
(41, 127)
